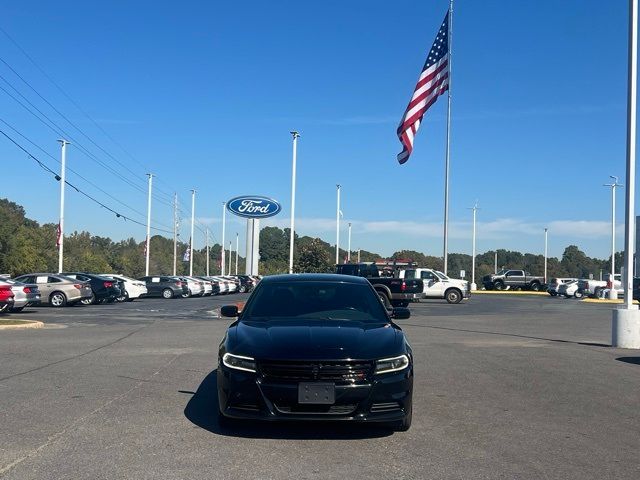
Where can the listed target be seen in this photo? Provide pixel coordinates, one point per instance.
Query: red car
(6, 298)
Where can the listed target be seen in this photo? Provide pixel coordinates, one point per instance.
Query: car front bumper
(385, 399)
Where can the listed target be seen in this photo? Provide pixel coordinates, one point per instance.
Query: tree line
(27, 246)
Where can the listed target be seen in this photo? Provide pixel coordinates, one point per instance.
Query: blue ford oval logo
(253, 206)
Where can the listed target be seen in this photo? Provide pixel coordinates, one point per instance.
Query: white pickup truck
(438, 285)
(594, 288)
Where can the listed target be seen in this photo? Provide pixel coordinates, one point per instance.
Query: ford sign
(253, 206)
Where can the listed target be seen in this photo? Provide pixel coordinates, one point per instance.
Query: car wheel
(89, 301)
(385, 300)
(578, 294)
(4, 308)
(242, 289)
(405, 424)
(123, 298)
(553, 294)
(17, 309)
(58, 299)
(130, 299)
(535, 287)
(453, 296)
(597, 293)
(498, 285)
(167, 293)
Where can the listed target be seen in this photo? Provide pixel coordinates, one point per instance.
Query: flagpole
(237, 249)
(175, 233)
(293, 199)
(446, 167)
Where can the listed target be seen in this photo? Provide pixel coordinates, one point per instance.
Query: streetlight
(613, 293)
(545, 254)
(293, 198)
(473, 249)
(224, 224)
(338, 186)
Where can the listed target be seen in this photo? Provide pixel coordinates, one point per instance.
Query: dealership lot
(505, 387)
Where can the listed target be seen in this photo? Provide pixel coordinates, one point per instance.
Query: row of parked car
(70, 288)
(584, 287)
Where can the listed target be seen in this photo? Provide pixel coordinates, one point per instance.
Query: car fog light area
(238, 362)
(394, 364)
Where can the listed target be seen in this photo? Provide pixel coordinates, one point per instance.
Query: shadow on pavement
(501, 334)
(631, 360)
(201, 411)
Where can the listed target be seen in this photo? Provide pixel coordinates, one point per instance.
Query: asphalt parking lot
(505, 387)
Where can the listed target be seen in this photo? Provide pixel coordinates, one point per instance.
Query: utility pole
(338, 224)
(613, 293)
(207, 251)
(148, 244)
(293, 199)
(63, 180)
(473, 249)
(237, 250)
(546, 232)
(349, 247)
(175, 233)
(495, 262)
(224, 224)
(191, 240)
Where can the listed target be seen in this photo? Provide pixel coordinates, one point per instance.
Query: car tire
(499, 285)
(405, 423)
(130, 299)
(242, 289)
(535, 287)
(553, 294)
(578, 293)
(385, 300)
(167, 293)
(57, 299)
(89, 301)
(597, 293)
(453, 295)
(123, 298)
(4, 308)
(16, 309)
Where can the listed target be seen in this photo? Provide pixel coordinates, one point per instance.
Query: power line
(80, 191)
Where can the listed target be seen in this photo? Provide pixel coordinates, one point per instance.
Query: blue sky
(204, 94)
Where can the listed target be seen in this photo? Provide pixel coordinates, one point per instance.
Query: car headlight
(394, 364)
(239, 362)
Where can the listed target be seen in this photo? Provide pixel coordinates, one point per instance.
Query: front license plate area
(317, 393)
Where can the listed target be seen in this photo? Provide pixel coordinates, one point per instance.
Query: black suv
(103, 289)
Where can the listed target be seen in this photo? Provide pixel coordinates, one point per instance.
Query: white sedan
(133, 288)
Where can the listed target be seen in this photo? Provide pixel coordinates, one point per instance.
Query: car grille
(344, 371)
(316, 409)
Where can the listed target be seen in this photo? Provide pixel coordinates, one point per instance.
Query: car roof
(316, 277)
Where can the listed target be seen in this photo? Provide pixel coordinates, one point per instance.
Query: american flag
(433, 82)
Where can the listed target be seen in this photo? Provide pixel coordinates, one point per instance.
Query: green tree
(314, 258)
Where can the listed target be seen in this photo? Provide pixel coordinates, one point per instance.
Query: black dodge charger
(315, 347)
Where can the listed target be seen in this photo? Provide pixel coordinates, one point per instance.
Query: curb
(27, 324)
(606, 300)
(506, 292)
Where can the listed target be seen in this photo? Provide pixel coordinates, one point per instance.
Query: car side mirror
(400, 313)
(229, 311)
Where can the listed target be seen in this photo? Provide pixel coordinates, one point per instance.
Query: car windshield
(315, 300)
(441, 275)
(502, 272)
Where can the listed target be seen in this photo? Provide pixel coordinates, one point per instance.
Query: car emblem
(315, 371)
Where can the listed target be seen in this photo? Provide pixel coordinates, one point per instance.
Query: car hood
(314, 339)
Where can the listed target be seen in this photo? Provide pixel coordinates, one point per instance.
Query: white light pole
(224, 224)
(63, 180)
(473, 285)
(625, 325)
(338, 225)
(237, 250)
(349, 245)
(193, 224)
(613, 293)
(175, 233)
(293, 199)
(148, 242)
(230, 257)
(546, 234)
(358, 255)
(207, 236)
